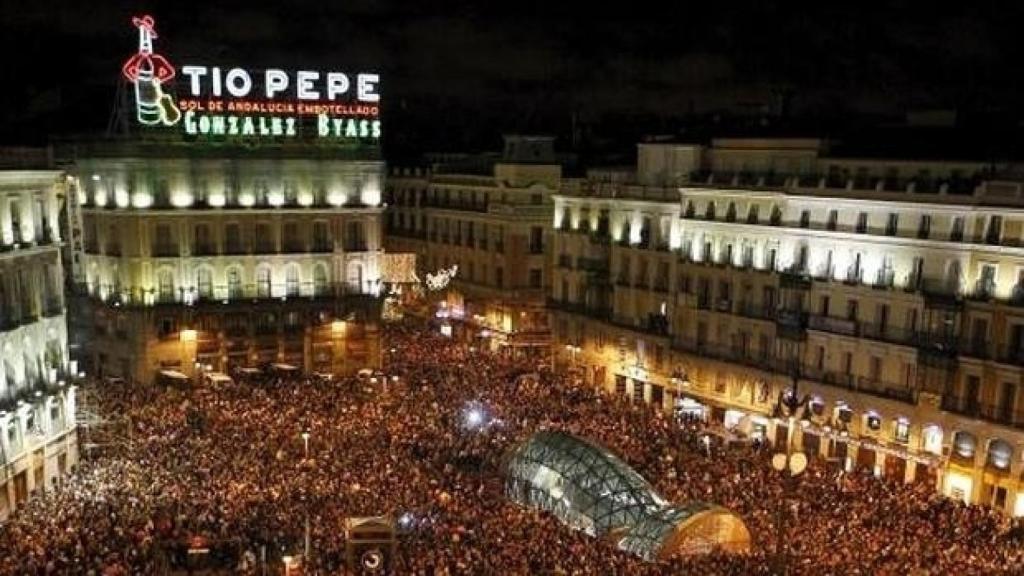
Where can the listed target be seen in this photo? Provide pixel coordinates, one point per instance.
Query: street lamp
(790, 465)
(305, 441)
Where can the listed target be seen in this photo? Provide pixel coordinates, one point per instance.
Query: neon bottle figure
(149, 71)
(147, 93)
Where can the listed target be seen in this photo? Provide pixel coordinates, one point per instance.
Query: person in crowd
(228, 467)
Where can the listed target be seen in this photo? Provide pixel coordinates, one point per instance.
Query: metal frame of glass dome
(591, 489)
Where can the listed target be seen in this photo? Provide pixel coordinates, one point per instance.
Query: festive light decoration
(149, 71)
(398, 268)
(442, 278)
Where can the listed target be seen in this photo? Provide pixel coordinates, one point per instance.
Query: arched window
(234, 284)
(292, 280)
(165, 285)
(263, 282)
(354, 279)
(320, 280)
(204, 283)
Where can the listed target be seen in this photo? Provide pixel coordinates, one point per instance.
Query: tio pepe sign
(234, 102)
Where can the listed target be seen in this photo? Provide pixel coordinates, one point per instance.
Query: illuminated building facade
(492, 223)
(37, 405)
(195, 256)
(710, 278)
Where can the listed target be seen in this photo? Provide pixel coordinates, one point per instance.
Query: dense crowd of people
(228, 467)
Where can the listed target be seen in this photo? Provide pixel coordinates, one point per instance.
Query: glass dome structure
(592, 490)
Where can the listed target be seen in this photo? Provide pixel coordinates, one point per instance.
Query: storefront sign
(232, 102)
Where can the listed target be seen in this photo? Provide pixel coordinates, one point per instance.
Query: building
(194, 257)
(38, 442)
(714, 280)
(493, 226)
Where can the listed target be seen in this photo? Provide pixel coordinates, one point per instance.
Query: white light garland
(442, 278)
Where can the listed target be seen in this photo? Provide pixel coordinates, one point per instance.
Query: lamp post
(305, 441)
(790, 465)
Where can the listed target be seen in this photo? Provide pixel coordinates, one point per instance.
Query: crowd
(229, 465)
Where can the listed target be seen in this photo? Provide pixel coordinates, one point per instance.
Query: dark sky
(456, 74)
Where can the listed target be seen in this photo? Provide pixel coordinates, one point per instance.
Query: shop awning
(219, 377)
(283, 367)
(173, 375)
(250, 370)
(366, 372)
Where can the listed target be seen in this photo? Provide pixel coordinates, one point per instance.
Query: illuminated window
(901, 430)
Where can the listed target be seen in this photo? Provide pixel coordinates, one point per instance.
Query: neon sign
(234, 102)
(148, 71)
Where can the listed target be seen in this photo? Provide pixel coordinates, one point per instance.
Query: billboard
(203, 100)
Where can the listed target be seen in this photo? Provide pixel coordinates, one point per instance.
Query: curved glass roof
(591, 489)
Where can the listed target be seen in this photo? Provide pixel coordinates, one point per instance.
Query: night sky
(457, 74)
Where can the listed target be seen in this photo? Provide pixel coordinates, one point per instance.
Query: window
(535, 278)
(876, 369)
(204, 283)
(924, 227)
(956, 231)
(234, 284)
(355, 237)
(499, 277)
(805, 218)
(321, 237)
(994, 230)
(165, 286)
(752, 217)
(163, 242)
(291, 237)
(892, 224)
(263, 283)
(203, 244)
(851, 310)
(862, 222)
(320, 280)
(776, 217)
(825, 303)
(536, 240)
(709, 212)
(833, 219)
(730, 213)
(264, 239)
(292, 281)
(232, 239)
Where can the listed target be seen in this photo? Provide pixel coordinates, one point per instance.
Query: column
(52, 212)
(6, 233)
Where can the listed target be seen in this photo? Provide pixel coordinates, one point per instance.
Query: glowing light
(246, 199)
(338, 327)
(275, 198)
(149, 71)
(181, 199)
(217, 200)
(305, 198)
(337, 198)
(142, 200)
(188, 335)
(442, 278)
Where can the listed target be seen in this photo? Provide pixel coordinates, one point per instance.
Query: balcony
(321, 246)
(833, 325)
(795, 278)
(355, 245)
